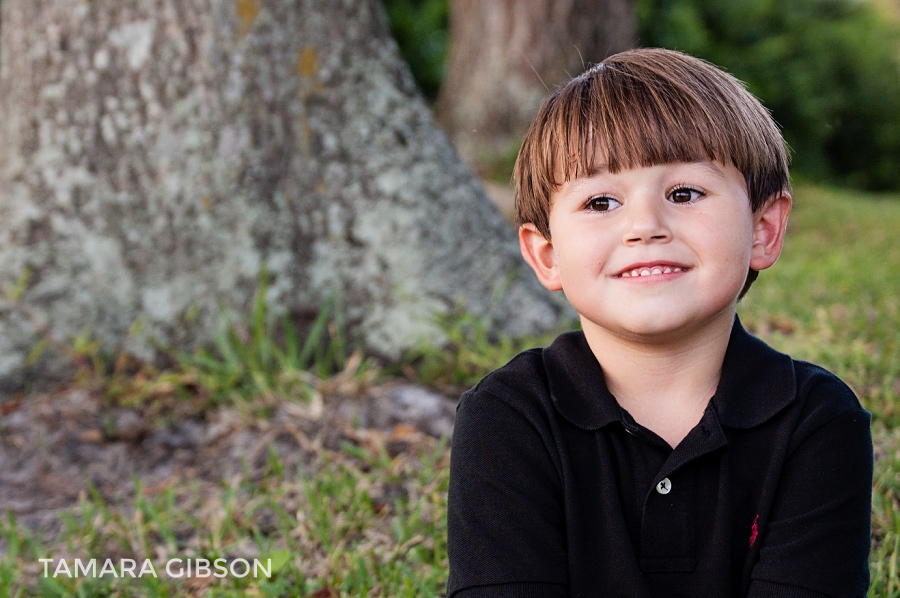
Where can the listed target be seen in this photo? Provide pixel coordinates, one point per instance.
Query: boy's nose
(646, 225)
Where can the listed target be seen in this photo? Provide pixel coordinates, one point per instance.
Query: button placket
(667, 526)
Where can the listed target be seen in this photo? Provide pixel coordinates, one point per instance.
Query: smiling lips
(639, 271)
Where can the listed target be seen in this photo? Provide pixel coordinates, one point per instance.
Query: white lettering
(108, 566)
(129, 569)
(202, 568)
(169, 571)
(62, 566)
(256, 564)
(246, 567)
(46, 562)
(147, 567)
(82, 570)
(88, 568)
(219, 567)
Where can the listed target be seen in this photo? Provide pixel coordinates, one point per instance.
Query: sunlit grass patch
(361, 522)
(469, 353)
(885, 567)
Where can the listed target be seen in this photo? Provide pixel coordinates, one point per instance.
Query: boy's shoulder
(824, 395)
(758, 382)
(523, 375)
(561, 379)
(532, 369)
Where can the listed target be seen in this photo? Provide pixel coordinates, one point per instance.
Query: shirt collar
(757, 382)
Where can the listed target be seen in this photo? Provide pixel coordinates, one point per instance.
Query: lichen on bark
(155, 154)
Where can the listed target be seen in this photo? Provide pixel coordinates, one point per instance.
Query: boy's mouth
(639, 270)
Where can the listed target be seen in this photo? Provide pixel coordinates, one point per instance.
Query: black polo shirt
(555, 490)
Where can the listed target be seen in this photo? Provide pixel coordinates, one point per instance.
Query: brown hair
(643, 108)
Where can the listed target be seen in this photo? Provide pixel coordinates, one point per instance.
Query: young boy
(661, 450)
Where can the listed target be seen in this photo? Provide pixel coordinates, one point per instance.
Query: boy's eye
(601, 203)
(684, 194)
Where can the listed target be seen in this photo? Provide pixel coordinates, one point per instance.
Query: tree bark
(507, 55)
(155, 155)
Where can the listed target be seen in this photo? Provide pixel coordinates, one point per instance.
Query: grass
(363, 521)
(364, 524)
(249, 362)
(470, 352)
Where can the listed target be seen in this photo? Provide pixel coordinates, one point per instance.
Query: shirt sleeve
(505, 518)
(816, 543)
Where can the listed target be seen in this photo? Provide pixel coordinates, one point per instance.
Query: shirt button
(665, 486)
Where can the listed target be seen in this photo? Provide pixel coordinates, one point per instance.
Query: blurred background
(827, 69)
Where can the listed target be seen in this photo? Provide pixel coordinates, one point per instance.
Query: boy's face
(653, 253)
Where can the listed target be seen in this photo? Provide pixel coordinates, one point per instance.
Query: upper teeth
(653, 270)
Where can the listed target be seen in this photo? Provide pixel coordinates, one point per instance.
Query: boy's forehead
(601, 167)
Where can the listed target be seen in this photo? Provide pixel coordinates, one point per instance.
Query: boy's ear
(538, 252)
(770, 224)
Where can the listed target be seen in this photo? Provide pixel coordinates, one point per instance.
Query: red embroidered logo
(754, 531)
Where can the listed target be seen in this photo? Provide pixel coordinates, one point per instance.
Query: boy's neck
(664, 384)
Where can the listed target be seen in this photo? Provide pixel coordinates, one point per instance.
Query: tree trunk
(155, 155)
(506, 55)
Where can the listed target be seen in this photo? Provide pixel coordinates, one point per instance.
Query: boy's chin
(658, 329)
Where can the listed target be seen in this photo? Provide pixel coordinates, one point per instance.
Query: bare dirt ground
(54, 446)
